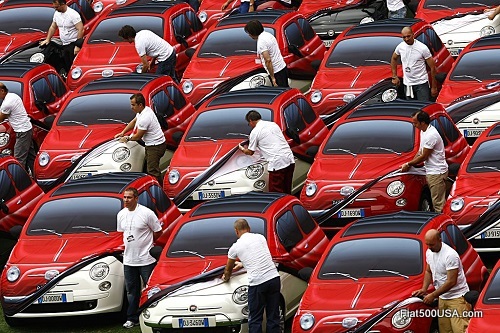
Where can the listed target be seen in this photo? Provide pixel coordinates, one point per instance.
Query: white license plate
(492, 233)
(190, 322)
(328, 43)
(81, 175)
(55, 298)
(455, 52)
(472, 133)
(346, 213)
(210, 195)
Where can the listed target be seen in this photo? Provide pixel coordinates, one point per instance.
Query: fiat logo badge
(193, 308)
(346, 190)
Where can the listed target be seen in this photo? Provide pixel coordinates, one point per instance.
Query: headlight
(98, 6)
(121, 154)
(203, 16)
(456, 204)
(37, 57)
(389, 95)
(401, 319)
(316, 96)
(311, 189)
(153, 291)
(254, 171)
(187, 86)
(13, 274)
(240, 295)
(395, 188)
(99, 271)
(306, 321)
(487, 30)
(43, 159)
(173, 177)
(348, 97)
(4, 139)
(76, 73)
(257, 81)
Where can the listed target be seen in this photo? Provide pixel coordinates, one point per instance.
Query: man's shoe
(130, 324)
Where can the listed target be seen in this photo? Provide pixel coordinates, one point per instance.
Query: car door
(455, 145)
(47, 95)
(187, 31)
(440, 53)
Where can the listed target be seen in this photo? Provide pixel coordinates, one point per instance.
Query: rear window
(486, 158)
(477, 66)
(492, 294)
(107, 30)
(26, 20)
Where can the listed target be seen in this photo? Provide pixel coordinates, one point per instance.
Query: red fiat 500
(364, 280)
(434, 10)
(371, 141)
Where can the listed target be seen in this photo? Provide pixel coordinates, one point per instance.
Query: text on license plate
(455, 52)
(193, 322)
(346, 213)
(210, 195)
(55, 298)
(328, 43)
(492, 233)
(472, 133)
(81, 175)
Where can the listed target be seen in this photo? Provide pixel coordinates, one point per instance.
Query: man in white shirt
(414, 56)
(12, 109)
(396, 8)
(268, 138)
(432, 153)
(269, 53)
(444, 269)
(145, 126)
(147, 43)
(263, 277)
(70, 26)
(140, 228)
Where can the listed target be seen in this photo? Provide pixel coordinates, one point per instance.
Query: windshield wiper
(240, 51)
(238, 134)
(342, 274)
(486, 167)
(89, 227)
(378, 60)
(214, 53)
(439, 5)
(5, 33)
(111, 119)
(386, 149)
(74, 122)
(103, 40)
(388, 271)
(474, 3)
(344, 150)
(202, 137)
(190, 252)
(342, 63)
(468, 76)
(48, 230)
(34, 29)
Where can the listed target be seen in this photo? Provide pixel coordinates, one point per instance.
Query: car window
(14, 87)
(434, 40)
(288, 231)
(163, 107)
(492, 294)
(458, 238)
(146, 200)
(196, 24)
(305, 220)
(161, 200)
(57, 85)
(20, 176)
(477, 66)
(293, 118)
(449, 128)
(107, 30)
(25, 20)
(226, 123)
(42, 92)
(76, 215)
(441, 131)
(371, 137)
(209, 237)
(293, 35)
(181, 26)
(307, 111)
(84, 8)
(486, 158)
(177, 97)
(306, 28)
(447, 4)
(7, 189)
(425, 39)
(372, 257)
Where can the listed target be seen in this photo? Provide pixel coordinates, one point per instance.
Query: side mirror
(440, 77)
(471, 297)
(293, 135)
(181, 41)
(49, 120)
(315, 64)
(177, 136)
(295, 50)
(15, 231)
(312, 151)
(305, 273)
(41, 105)
(155, 252)
(190, 52)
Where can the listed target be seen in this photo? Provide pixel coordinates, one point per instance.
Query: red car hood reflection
(477, 185)
(208, 68)
(201, 154)
(11, 43)
(64, 138)
(106, 55)
(451, 91)
(348, 78)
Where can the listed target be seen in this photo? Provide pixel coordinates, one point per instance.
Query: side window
(162, 201)
(288, 231)
(20, 176)
(177, 97)
(146, 200)
(196, 24)
(42, 91)
(307, 111)
(293, 35)
(306, 28)
(424, 39)
(57, 85)
(445, 239)
(449, 128)
(458, 239)
(7, 189)
(293, 118)
(440, 130)
(163, 108)
(305, 220)
(434, 40)
(181, 26)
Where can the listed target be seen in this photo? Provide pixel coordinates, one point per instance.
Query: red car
(42, 91)
(105, 54)
(371, 141)
(96, 112)
(67, 259)
(227, 57)
(348, 69)
(473, 72)
(199, 245)
(364, 280)
(477, 183)
(219, 125)
(435, 10)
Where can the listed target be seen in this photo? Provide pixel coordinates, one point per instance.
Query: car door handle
(19, 201)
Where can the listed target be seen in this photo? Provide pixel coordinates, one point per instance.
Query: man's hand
(429, 298)
(434, 91)
(395, 81)
(405, 167)
(44, 42)
(250, 9)
(419, 293)
(77, 49)
(145, 68)
(119, 135)
(273, 81)
(124, 139)
(237, 266)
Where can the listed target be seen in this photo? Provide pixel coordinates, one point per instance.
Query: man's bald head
(407, 35)
(433, 240)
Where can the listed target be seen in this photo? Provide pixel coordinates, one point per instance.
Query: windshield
(76, 216)
(363, 51)
(14, 87)
(447, 4)
(24, 20)
(492, 294)
(96, 110)
(229, 42)
(227, 123)
(373, 257)
(477, 66)
(107, 30)
(371, 137)
(210, 237)
(486, 158)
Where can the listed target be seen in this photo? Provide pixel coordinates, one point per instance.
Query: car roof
(146, 6)
(402, 222)
(491, 40)
(18, 69)
(398, 108)
(132, 81)
(115, 182)
(252, 202)
(267, 16)
(388, 26)
(495, 130)
(261, 95)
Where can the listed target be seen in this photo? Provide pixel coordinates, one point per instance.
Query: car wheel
(425, 204)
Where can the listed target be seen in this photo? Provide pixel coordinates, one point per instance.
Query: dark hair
(133, 190)
(127, 32)
(3, 87)
(422, 117)
(252, 115)
(61, 2)
(139, 99)
(254, 28)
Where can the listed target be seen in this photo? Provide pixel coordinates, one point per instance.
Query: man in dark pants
(263, 277)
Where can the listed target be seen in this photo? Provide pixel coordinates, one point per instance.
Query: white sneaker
(130, 324)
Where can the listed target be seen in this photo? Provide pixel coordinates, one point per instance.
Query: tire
(425, 204)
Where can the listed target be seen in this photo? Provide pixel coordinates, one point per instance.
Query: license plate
(472, 133)
(346, 213)
(492, 233)
(81, 175)
(191, 322)
(55, 298)
(328, 43)
(455, 52)
(210, 195)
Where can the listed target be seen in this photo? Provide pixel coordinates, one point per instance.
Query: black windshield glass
(107, 30)
(492, 294)
(477, 66)
(25, 20)
(486, 158)
(14, 87)
(447, 4)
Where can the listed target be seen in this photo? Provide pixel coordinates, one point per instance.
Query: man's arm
(229, 269)
(246, 151)
(225, 4)
(50, 33)
(157, 235)
(432, 65)
(127, 128)
(394, 69)
(494, 13)
(269, 65)
(425, 284)
(451, 281)
(79, 27)
(3, 116)
(145, 64)
(426, 152)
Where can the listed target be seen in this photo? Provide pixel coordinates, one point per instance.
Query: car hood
(64, 138)
(107, 55)
(477, 185)
(202, 154)
(466, 89)
(14, 42)
(200, 68)
(359, 78)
